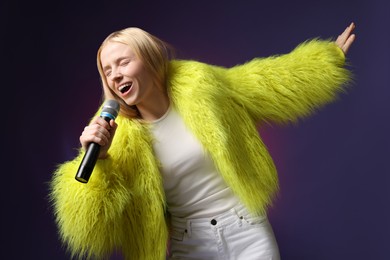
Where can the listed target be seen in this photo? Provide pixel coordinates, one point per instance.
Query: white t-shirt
(192, 184)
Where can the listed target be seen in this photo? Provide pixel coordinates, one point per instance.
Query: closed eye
(107, 73)
(125, 63)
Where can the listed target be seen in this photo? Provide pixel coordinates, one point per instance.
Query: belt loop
(240, 217)
(188, 228)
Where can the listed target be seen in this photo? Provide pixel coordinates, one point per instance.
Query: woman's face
(126, 74)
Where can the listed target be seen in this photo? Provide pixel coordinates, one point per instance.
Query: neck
(155, 108)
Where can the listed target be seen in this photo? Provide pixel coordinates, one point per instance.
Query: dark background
(333, 167)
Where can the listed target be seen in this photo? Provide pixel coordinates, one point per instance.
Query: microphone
(110, 111)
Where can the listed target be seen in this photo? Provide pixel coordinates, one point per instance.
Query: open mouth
(125, 87)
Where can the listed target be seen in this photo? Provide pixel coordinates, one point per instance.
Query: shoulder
(192, 68)
(190, 74)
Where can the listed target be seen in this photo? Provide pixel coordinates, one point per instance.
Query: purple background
(333, 167)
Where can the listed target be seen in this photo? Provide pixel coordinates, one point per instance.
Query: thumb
(113, 126)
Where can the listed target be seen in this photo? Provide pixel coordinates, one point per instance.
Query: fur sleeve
(286, 87)
(122, 206)
(88, 214)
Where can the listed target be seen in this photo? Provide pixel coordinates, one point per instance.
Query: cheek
(110, 85)
(138, 72)
(146, 77)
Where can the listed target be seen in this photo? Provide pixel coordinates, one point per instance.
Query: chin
(130, 101)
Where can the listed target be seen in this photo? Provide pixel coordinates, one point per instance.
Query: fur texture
(123, 205)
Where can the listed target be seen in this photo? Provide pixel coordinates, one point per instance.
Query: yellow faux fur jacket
(122, 208)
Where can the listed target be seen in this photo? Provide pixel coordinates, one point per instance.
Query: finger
(352, 26)
(103, 123)
(100, 140)
(95, 133)
(101, 135)
(100, 121)
(349, 30)
(112, 123)
(345, 35)
(348, 43)
(341, 39)
(113, 128)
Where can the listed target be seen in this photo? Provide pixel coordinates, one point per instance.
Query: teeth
(124, 87)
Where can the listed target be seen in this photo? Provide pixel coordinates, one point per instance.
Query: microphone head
(110, 109)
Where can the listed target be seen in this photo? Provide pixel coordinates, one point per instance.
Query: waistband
(229, 217)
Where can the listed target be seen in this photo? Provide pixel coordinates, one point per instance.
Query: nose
(116, 74)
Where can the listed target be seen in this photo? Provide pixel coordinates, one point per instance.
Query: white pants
(234, 235)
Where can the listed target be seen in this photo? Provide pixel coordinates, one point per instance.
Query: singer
(182, 172)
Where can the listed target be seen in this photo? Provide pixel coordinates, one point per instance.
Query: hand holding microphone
(96, 139)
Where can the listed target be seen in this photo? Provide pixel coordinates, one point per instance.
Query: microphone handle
(89, 160)
(88, 163)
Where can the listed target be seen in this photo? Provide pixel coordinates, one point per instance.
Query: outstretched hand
(345, 40)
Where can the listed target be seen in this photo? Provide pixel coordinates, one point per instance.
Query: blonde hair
(154, 53)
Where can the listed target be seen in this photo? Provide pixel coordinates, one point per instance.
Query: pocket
(177, 235)
(254, 220)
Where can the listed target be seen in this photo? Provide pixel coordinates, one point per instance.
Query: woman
(184, 162)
